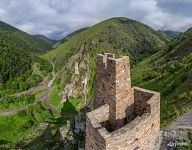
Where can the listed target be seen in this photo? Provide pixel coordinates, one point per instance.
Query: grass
(55, 98)
(14, 128)
(14, 102)
(189, 146)
(75, 102)
(71, 105)
(190, 135)
(36, 70)
(18, 127)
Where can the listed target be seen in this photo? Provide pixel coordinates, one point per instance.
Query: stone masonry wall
(113, 82)
(141, 133)
(124, 118)
(94, 140)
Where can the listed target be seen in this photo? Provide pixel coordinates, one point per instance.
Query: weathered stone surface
(124, 118)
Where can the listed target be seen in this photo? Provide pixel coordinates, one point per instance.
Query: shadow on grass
(68, 108)
(47, 140)
(50, 138)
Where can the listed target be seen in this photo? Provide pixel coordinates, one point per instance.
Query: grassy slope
(10, 128)
(20, 126)
(169, 72)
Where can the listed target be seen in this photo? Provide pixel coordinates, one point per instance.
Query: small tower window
(136, 148)
(103, 86)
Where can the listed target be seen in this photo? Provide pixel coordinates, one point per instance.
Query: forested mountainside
(170, 34)
(21, 72)
(169, 72)
(13, 61)
(22, 40)
(45, 39)
(18, 55)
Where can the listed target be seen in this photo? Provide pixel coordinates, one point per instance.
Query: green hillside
(17, 69)
(169, 72)
(69, 36)
(13, 61)
(17, 57)
(121, 36)
(22, 40)
(117, 35)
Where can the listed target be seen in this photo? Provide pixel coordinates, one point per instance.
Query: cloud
(57, 18)
(177, 7)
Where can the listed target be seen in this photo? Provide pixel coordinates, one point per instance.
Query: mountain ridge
(170, 34)
(100, 28)
(44, 38)
(22, 39)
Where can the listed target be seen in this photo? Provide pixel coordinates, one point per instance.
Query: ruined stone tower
(124, 117)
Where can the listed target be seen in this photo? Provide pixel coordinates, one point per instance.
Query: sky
(57, 18)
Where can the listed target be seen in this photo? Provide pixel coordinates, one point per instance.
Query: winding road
(44, 98)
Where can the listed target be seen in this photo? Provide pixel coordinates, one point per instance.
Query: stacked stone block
(124, 117)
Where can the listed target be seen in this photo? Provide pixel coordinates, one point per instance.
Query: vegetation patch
(55, 97)
(172, 79)
(14, 128)
(13, 102)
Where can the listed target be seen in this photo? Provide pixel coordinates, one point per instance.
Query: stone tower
(124, 117)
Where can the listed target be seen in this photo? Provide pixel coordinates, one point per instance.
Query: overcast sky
(57, 18)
